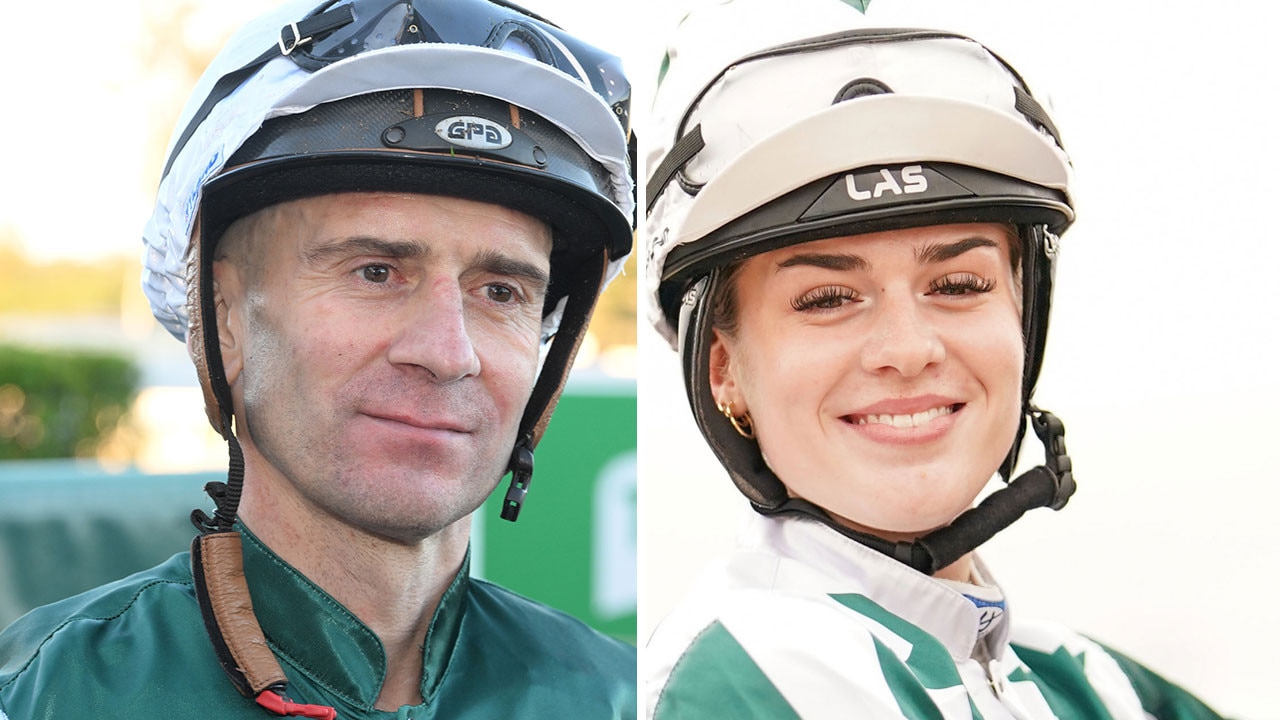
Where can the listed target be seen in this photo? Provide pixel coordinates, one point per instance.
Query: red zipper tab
(281, 705)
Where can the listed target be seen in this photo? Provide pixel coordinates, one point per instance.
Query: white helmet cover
(282, 87)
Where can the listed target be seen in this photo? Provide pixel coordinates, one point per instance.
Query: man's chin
(412, 531)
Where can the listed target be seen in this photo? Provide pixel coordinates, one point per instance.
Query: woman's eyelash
(831, 297)
(827, 297)
(961, 283)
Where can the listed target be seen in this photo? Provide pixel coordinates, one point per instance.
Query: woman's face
(882, 371)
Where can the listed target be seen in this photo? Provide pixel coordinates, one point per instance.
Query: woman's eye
(375, 273)
(961, 284)
(829, 297)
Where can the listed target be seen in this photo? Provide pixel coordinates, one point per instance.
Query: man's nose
(433, 333)
(903, 337)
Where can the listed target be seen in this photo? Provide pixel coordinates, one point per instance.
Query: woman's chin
(906, 523)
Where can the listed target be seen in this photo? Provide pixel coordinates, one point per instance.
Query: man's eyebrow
(361, 245)
(499, 263)
(826, 261)
(940, 252)
(491, 260)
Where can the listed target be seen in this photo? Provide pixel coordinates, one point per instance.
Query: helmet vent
(861, 88)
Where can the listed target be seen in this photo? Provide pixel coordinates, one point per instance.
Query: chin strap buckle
(1053, 434)
(288, 45)
(521, 475)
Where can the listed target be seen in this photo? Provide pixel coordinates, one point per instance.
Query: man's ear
(228, 307)
(724, 384)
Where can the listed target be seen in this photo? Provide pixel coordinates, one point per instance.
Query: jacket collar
(313, 634)
(803, 554)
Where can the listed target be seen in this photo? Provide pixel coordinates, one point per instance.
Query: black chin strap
(226, 496)
(1049, 485)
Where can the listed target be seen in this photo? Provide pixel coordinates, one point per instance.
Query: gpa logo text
(473, 132)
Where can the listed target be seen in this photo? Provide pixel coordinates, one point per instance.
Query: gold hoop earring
(742, 423)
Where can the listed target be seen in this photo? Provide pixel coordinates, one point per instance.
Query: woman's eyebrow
(826, 261)
(939, 252)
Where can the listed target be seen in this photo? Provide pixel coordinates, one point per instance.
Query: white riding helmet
(850, 132)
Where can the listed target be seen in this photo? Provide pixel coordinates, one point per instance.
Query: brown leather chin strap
(217, 567)
(203, 343)
(198, 339)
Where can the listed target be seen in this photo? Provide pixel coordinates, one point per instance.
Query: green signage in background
(574, 546)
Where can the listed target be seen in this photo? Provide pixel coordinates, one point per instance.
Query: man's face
(385, 346)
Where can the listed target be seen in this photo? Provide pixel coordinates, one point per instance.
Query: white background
(1161, 352)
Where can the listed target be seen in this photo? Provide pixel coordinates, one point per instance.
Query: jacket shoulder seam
(124, 608)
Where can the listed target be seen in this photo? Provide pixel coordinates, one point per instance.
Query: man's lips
(419, 422)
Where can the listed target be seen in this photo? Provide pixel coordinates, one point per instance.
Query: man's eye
(501, 293)
(375, 273)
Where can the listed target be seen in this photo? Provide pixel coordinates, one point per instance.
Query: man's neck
(393, 587)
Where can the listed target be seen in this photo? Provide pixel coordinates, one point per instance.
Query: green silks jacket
(137, 648)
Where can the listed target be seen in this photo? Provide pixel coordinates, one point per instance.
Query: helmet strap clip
(1053, 435)
(521, 475)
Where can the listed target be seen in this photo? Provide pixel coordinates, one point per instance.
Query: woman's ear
(724, 385)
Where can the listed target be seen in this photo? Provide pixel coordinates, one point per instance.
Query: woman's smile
(913, 420)
(916, 428)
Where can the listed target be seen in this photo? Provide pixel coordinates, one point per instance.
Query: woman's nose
(903, 337)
